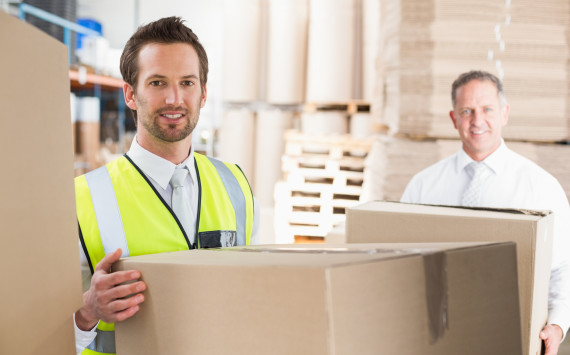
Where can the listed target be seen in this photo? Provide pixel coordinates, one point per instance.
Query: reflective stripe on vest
(116, 204)
(104, 342)
(236, 197)
(107, 211)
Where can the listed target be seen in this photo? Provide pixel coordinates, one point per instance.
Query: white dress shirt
(514, 182)
(159, 171)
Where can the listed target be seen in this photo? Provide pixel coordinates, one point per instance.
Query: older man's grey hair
(465, 78)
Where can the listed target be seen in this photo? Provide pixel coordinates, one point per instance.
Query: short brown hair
(165, 31)
(465, 78)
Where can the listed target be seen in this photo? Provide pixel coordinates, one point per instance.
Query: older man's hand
(552, 336)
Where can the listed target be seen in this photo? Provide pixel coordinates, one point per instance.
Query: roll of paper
(330, 66)
(370, 47)
(287, 51)
(236, 140)
(324, 122)
(270, 145)
(242, 26)
(360, 125)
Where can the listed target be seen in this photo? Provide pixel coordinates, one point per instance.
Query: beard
(172, 132)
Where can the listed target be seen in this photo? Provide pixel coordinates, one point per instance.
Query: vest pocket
(217, 239)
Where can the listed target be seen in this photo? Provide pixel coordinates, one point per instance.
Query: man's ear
(452, 116)
(204, 95)
(129, 96)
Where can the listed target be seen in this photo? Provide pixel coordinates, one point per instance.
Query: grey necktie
(472, 195)
(181, 199)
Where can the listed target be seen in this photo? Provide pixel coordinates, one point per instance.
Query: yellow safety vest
(117, 206)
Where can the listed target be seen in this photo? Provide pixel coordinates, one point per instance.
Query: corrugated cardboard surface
(343, 299)
(425, 45)
(39, 258)
(390, 222)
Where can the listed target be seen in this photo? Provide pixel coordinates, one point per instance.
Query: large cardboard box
(420, 299)
(389, 222)
(39, 261)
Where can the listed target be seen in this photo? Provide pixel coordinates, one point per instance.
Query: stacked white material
(270, 128)
(236, 140)
(360, 125)
(287, 51)
(331, 53)
(242, 24)
(426, 45)
(370, 48)
(324, 122)
(393, 161)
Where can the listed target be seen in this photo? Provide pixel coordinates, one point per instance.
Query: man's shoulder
(214, 160)
(524, 165)
(107, 166)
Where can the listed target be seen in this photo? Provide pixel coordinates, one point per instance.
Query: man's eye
(488, 109)
(155, 83)
(466, 112)
(187, 83)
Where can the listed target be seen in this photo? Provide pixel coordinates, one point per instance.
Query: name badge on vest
(217, 239)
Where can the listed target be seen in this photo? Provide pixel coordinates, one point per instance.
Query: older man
(485, 173)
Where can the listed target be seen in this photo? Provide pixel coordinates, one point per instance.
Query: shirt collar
(496, 161)
(157, 168)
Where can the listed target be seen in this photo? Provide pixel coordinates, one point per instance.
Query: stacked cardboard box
(415, 299)
(426, 45)
(389, 222)
(39, 265)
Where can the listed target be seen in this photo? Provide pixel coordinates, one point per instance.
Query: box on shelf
(391, 222)
(39, 266)
(448, 298)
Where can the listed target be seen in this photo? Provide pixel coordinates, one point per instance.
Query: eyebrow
(159, 76)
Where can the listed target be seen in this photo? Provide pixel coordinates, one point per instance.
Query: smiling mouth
(173, 117)
(477, 132)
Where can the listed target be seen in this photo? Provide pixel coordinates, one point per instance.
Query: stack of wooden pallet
(323, 175)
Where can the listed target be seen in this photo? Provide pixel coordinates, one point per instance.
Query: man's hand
(107, 299)
(552, 336)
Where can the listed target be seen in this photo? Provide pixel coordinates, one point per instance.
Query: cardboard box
(39, 265)
(388, 222)
(454, 298)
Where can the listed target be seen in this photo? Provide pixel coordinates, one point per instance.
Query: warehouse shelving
(80, 78)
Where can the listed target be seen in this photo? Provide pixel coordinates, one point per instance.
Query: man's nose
(477, 117)
(173, 96)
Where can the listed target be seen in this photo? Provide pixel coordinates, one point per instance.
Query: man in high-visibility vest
(136, 205)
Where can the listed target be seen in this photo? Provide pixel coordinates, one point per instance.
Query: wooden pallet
(332, 147)
(349, 107)
(322, 177)
(313, 210)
